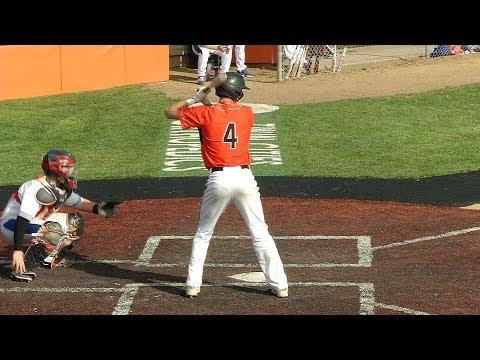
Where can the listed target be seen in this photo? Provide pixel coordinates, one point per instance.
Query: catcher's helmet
(60, 163)
(232, 87)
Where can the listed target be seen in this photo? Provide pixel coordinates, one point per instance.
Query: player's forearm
(19, 233)
(223, 48)
(85, 205)
(211, 47)
(200, 96)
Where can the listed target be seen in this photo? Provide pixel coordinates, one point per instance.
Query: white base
(255, 277)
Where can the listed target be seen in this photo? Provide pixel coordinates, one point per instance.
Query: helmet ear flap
(232, 87)
(240, 95)
(45, 165)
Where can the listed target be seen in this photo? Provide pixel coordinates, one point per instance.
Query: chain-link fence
(301, 60)
(297, 60)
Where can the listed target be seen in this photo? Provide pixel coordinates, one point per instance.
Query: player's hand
(206, 102)
(18, 262)
(224, 48)
(201, 93)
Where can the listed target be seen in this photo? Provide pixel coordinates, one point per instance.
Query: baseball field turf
(122, 133)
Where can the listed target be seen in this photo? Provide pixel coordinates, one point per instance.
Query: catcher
(40, 234)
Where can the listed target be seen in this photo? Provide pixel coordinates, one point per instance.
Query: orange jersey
(224, 132)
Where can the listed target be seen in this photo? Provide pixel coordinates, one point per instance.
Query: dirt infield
(385, 78)
(341, 257)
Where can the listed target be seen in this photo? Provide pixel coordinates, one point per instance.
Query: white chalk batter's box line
(366, 291)
(364, 250)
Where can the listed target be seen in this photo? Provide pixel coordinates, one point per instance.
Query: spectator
(471, 48)
(240, 61)
(203, 52)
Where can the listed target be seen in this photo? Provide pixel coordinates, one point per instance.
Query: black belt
(220, 168)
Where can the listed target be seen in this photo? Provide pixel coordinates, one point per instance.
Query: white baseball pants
(205, 54)
(7, 226)
(240, 57)
(239, 185)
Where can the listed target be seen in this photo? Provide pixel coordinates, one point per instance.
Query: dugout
(183, 56)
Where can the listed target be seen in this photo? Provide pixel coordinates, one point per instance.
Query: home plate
(256, 277)
(261, 108)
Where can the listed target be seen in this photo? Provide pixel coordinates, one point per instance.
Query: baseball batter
(33, 209)
(225, 130)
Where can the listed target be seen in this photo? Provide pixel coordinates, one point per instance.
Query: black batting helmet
(232, 87)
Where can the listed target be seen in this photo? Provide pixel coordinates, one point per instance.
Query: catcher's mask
(232, 87)
(61, 164)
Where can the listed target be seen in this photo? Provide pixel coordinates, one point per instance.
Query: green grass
(409, 136)
(117, 133)
(122, 133)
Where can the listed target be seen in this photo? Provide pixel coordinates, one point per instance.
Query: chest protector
(49, 195)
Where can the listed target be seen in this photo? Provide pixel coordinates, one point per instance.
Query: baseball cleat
(62, 261)
(26, 276)
(192, 291)
(48, 260)
(246, 73)
(281, 293)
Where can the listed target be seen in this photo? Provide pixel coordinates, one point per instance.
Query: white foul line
(367, 299)
(125, 302)
(164, 283)
(209, 265)
(402, 309)
(294, 237)
(364, 248)
(433, 237)
(149, 249)
(63, 290)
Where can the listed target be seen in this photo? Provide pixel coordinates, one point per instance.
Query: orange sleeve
(193, 116)
(252, 117)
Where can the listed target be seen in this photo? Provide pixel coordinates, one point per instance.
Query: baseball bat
(216, 82)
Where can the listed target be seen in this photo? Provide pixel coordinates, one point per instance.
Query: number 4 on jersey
(230, 135)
